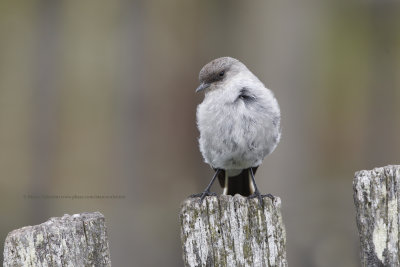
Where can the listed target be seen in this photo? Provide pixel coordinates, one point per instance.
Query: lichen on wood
(376, 197)
(232, 231)
(71, 240)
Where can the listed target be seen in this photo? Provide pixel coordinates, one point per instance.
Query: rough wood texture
(376, 196)
(232, 231)
(71, 240)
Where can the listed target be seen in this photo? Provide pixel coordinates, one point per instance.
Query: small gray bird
(239, 124)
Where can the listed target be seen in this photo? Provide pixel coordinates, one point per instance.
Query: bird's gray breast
(237, 133)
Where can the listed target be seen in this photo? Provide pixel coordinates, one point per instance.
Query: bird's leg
(207, 190)
(256, 192)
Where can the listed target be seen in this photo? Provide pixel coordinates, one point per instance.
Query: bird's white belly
(234, 138)
(228, 152)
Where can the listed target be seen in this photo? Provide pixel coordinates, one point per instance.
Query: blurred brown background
(97, 98)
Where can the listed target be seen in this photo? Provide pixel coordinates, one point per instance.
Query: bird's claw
(203, 195)
(259, 197)
(268, 195)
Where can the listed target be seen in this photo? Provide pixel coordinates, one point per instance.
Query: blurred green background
(97, 98)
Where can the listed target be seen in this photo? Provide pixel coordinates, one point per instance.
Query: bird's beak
(202, 86)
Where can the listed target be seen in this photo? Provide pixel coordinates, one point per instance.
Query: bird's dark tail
(239, 184)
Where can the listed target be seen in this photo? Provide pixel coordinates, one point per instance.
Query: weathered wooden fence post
(232, 231)
(71, 240)
(377, 199)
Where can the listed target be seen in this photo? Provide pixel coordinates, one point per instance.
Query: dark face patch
(246, 96)
(217, 70)
(215, 76)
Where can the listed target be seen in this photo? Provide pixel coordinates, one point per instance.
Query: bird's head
(218, 71)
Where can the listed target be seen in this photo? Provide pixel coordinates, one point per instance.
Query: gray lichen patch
(232, 231)
(376, 197)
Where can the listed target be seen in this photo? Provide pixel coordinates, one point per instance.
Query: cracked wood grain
(232, 231)
(71, 240)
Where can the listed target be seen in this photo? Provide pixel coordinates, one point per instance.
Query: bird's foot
(268, 195)
(203, 195)
(259, 197)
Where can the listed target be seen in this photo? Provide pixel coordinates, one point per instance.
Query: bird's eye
(221, 73)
